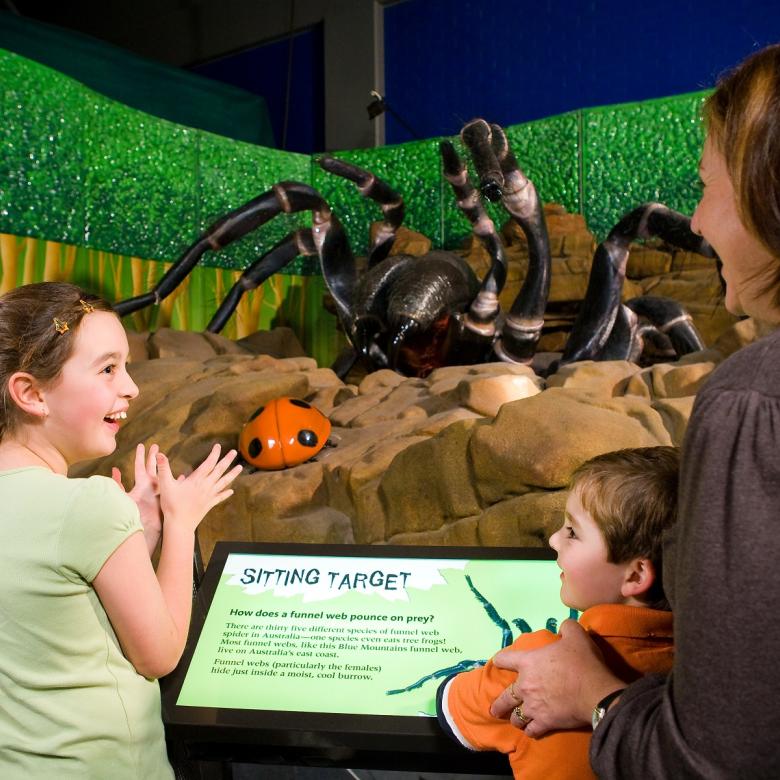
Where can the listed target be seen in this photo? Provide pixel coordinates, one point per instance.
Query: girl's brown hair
(743, 121)
(30, 341)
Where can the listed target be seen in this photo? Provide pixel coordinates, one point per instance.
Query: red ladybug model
(283, 433)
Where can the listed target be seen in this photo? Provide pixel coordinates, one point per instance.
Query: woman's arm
(150, 613)
(717, 715)
(559, 684)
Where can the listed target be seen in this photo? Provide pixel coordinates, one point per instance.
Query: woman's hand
(558, 685)
(185, 501)
(145, 493)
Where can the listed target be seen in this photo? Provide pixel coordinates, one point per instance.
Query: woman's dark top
(718, 714)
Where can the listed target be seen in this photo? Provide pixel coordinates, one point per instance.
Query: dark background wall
(288, 73)
(447, 61)
(438, 62)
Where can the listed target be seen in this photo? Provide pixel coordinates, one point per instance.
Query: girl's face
(749, 270)
(86, 400)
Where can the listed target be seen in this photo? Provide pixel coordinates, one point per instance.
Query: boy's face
(587, 578)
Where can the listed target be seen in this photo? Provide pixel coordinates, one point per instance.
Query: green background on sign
(464, 631)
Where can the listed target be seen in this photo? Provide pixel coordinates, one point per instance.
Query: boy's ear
(26, 393)
(639, 576)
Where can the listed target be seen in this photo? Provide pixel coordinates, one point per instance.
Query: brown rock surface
(539, 442)
(442, 460)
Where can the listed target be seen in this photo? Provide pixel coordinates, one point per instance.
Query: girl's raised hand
(145, 492)
(188, 499)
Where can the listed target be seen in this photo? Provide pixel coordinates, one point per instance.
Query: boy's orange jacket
(634, 640)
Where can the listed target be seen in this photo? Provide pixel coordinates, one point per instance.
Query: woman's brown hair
(743, 121)
(29, 339)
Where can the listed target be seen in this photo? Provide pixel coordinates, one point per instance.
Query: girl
(86, 625)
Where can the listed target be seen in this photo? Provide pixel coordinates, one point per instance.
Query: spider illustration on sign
(507, 638)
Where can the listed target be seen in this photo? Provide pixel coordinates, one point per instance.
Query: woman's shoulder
(755, 367)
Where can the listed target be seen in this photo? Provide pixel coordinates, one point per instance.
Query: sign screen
(365, 634)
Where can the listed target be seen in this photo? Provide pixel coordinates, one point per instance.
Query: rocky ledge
(472, 455)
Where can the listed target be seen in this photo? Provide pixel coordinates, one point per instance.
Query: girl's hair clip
(87, 308)
(60, 326)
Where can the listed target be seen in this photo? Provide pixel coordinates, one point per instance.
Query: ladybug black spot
(302, 404)
(256, 413)
(307, 438)
(255, 448)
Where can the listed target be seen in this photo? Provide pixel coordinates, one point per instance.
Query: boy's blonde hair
(632, 497)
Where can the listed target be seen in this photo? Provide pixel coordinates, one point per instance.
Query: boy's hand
(558, 685)
(188, 499)
(145, 492)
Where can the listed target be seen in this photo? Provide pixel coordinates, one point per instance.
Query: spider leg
(626, 339)
(282, 197)
(601, 306)
(463, 666)
(476, 135)
(552, 624)
(524, 322)
(506, 631)
(298, 243)
(671, 319)
(522, 626)
(371, 186)
(479, 323)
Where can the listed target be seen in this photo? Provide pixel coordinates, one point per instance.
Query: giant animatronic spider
(416, 314)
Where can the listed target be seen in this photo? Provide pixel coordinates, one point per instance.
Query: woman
(718, 713)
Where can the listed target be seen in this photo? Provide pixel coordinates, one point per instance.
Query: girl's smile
(91, 396)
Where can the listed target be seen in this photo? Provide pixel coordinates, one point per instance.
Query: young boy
(609, 552)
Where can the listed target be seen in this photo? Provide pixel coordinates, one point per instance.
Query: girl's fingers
(224, 464)
(211, 460)
(164, 470)
(116, 475)
(151, 460)
(225, 494)
(226, 479)
(139, 466)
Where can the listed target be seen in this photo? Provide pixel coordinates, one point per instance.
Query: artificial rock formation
(474, 455)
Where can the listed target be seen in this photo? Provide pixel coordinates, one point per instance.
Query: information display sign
(350, 639)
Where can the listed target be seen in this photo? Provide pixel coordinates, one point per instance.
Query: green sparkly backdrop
(83, 170)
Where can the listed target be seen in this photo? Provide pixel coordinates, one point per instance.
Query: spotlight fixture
(379, 105)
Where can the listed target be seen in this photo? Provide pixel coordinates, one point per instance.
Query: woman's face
(749, 270)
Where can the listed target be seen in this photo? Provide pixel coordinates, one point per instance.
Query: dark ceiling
(130, 25)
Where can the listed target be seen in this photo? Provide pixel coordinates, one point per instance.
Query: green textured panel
(140, 182)
(548, 153)
(639, 152)
(232, 173)
(412, 169)
(41, 137)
